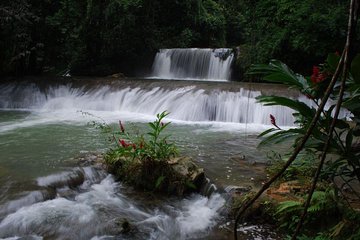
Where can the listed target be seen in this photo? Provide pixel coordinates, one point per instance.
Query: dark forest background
(101, 37)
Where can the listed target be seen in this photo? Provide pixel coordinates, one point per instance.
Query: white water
(193, 63)
(187, 105)
(94, 210)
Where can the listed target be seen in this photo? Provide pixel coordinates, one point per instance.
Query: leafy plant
(323, 207)
(343, 146)
(303, 167)
(136, 146)
(344, 143)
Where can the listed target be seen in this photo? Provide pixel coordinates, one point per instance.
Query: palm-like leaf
(279, 72)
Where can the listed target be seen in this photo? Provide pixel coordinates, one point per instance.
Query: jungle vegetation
(101, 37)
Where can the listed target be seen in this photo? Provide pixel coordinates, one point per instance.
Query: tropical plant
(130, 146)
(303, 168)
(344, 143)
(323, 207)
(149, 161)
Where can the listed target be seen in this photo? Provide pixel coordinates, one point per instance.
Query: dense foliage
(100, 37)
(344, 144)
(341, 172)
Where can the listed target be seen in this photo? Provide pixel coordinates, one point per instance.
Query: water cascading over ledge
(189, 103)
(193, 64)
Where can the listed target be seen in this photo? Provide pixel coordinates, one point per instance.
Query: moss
(177, 176)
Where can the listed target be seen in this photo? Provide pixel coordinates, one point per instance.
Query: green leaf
(288, 206)
(355, 68)
(296, 105)
(164, 126)
(267, 132)
(279, 72)
(349, 140)
(152, 125)
(341, 124)
(151, 134)
(282, 136)
(190, 185)
(332, 62)
(159, 180)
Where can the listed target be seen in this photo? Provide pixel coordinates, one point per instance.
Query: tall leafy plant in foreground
(327, 132)
(343, 87)
(344, 143)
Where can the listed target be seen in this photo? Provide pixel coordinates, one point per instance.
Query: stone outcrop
(176, 176)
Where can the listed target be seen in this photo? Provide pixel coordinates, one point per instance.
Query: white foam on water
(93, 214)
(193, 64)
(199, 215)
(27, 200)
(218, 109)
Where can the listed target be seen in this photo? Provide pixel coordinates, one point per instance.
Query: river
(45, 127)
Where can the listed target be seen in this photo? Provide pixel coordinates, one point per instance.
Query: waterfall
(193, 63)
(189, 103)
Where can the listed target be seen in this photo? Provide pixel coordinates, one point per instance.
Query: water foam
(193, 63)
(95, 213)
(189, 105)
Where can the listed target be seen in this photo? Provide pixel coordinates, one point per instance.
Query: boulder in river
(175, 176)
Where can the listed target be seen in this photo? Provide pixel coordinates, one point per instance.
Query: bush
(151, 162)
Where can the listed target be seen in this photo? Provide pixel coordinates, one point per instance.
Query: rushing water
(44, 193)
(193, 63)
(189, 104)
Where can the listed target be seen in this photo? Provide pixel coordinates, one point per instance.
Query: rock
(124, 224)
(175, 176)
(91, 159)
(286, 191)
(238, 189)
(118, 75)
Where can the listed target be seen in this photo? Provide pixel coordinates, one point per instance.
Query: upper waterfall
(193, 63)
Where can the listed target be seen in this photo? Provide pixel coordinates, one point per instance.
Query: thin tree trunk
(312, 125)
(351, 26)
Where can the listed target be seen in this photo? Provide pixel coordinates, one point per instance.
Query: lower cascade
(193, 63)
(186, 103)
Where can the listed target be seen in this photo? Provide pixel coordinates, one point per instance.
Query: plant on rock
(151, 162)
(134, 146)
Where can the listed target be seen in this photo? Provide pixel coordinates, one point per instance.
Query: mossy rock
(175, 176)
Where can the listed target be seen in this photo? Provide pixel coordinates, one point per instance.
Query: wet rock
(185, 167)
(119, 226)
(286, 191)
(93, 159)
(175, 176)
(125, 226)
(118, 75)
(238, 189)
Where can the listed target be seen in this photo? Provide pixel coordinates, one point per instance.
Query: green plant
(303, 167)
(344, 143)
(131, 146)
(323, 206)
(149, 161)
